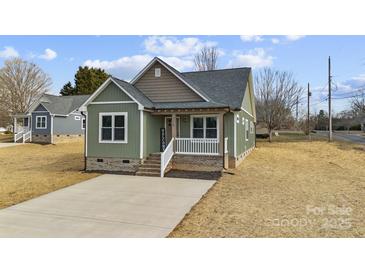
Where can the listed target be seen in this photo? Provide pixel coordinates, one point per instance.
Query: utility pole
(308, 121)
(329, 101)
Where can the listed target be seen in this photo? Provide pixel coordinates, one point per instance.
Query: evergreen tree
(87, 80)
(67, 90)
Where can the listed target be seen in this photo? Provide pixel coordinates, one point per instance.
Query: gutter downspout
(85, 132)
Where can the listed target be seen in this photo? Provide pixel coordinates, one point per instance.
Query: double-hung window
(113, 127)
(246, 129)
(41, 122)
(205, 127)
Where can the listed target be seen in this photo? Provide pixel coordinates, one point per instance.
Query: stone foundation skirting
(235, 162)
(197, 162)
(41, 138)
(57, 139)
(112, 164)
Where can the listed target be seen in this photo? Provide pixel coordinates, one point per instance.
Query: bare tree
(21, 83)
(206, 59)
(276, 96)
(358, 103)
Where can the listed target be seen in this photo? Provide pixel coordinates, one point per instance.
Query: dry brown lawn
(286, 189)
(6, 138)
(30, 170)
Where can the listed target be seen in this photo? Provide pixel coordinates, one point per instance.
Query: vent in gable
(157, 72)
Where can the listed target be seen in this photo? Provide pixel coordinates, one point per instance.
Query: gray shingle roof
(226, 86)
(136, 93)
(62, 105)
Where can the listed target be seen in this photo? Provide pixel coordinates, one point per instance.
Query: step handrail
(166, 156)
(17, 136)
(27, 135)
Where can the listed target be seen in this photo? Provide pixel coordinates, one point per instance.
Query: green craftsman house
(164, 119)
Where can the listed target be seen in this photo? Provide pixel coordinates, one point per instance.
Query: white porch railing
(27, 136)
(198, 146)
(17, 136)
(166, 156)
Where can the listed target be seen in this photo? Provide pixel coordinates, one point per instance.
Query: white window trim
(251, 127)
(204, 125)
(82, 123)
(125, 114)
(157, 72)
(246, 129)
(77, 118)
(45, 122)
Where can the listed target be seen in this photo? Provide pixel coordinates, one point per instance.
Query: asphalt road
(342, 136)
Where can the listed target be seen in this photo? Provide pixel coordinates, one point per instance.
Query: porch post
(173, 129)
(221, 134)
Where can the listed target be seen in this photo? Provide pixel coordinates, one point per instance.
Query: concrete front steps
(151, 166)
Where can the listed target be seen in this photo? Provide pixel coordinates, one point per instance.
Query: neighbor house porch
(22, 128)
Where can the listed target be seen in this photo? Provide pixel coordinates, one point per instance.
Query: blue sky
(123, 56)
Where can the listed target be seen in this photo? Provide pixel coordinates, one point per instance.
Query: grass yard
(286, 189)
(30, 170)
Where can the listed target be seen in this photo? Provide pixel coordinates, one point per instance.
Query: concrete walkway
(106, 206)
(9, 144)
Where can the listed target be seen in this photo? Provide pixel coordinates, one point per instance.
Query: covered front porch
(192, 139)
(22, 128)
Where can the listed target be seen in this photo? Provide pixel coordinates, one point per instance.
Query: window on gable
(41, 122)
(113, 127)
(157, 72)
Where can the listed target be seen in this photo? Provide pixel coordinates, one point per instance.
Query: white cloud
(171, 46)
(48, 55)
(251, 38)
(128, 66)
(8, 52)
(294, 37)
(255, 58)
(275, 40)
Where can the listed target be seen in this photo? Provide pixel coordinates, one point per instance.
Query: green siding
(229, 131)
(128, 150)
(112, 93)
(185, 126)
(246, 104)
(241, 144)
(151, 132)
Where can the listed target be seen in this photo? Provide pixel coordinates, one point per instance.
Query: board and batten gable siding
(166, 88)
(112, 93)
(67, 125)
(41, 111)
(246, 103)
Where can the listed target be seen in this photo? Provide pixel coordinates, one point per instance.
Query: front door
(169, 128)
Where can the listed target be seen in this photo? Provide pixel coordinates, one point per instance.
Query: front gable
(40, 107)
(248, 102)
(112, 93)
(165, 88)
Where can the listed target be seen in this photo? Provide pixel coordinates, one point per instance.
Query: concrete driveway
(106, 206)
(10, 144)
